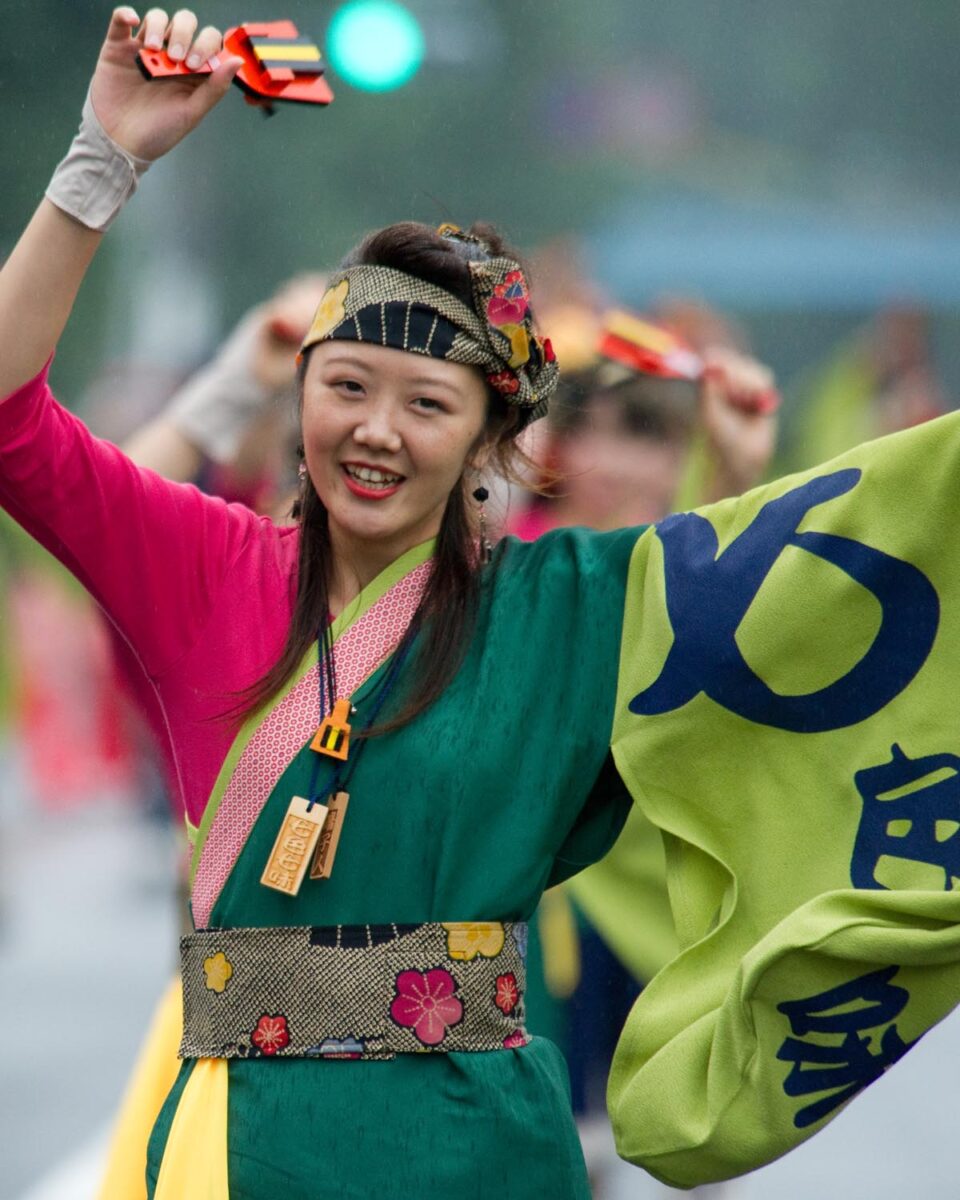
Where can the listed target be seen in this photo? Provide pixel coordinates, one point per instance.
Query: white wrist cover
(97, 177)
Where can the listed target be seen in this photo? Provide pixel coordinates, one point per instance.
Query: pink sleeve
(152, 553)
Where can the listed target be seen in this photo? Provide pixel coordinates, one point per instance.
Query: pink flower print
(271, 1034)
(508, 304)
(501, 311)
(507, 993)
(426, 1004)
(513, 1040)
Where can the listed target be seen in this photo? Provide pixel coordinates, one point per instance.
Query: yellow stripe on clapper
(641, 333)
(194, 1163)
(284, 50)
(280, 53)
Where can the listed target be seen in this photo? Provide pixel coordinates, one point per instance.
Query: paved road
(87, 942)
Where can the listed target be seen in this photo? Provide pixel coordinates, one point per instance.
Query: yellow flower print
(519, 344)
(330, 312)
(218, 970)
(467, 939)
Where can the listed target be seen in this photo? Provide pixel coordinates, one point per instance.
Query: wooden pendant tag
(333, 736)
(330, 837)
(295, 843)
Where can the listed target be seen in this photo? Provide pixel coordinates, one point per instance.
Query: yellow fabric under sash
(152, 1078)
(194, 1163)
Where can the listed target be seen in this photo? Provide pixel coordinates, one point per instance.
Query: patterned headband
(391, 308)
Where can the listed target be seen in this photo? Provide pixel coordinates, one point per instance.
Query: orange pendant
(333, 736)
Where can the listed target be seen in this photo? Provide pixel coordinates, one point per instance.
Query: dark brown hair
(663, 410)
(448, 608)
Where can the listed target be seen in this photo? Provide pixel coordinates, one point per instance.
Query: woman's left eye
(428, 404)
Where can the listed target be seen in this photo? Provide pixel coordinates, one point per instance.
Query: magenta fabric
(532, 522)
(199, 591)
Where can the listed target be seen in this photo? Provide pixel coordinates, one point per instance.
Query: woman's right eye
(349, 385)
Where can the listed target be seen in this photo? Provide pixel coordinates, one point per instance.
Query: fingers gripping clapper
(278, 64)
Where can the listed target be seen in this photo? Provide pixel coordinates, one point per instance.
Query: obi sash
(353, 991)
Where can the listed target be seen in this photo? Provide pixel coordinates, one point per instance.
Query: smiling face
(386, 436)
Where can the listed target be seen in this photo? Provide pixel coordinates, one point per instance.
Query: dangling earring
(481, 495)
(296, 510)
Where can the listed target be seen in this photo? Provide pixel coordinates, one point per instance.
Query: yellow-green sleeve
(786, 717)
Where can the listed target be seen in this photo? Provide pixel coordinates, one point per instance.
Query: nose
(377, 427)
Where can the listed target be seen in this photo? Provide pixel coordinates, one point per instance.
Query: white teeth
(370, 475)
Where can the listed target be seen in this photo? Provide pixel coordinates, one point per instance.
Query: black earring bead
(481, 494)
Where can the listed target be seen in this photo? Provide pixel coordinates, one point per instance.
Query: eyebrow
(431, 381)
(349, 360)
(345, 360)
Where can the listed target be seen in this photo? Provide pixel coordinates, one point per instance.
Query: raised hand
(147, 118)
(738, 405)
(282, 324)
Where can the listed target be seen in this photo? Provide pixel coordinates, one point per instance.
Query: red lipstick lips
(365, 491)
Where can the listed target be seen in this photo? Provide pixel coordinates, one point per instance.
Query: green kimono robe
(502, 787)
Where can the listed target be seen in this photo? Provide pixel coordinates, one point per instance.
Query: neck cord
(344, 771)
(328, 668)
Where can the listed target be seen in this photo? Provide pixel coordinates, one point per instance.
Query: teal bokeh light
(375, 45)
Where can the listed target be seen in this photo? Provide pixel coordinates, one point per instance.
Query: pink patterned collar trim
(286, 729)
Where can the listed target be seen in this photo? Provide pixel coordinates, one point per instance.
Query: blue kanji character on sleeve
(848, 1064)
(909, 834)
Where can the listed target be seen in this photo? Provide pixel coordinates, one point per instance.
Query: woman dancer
(462, 702)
